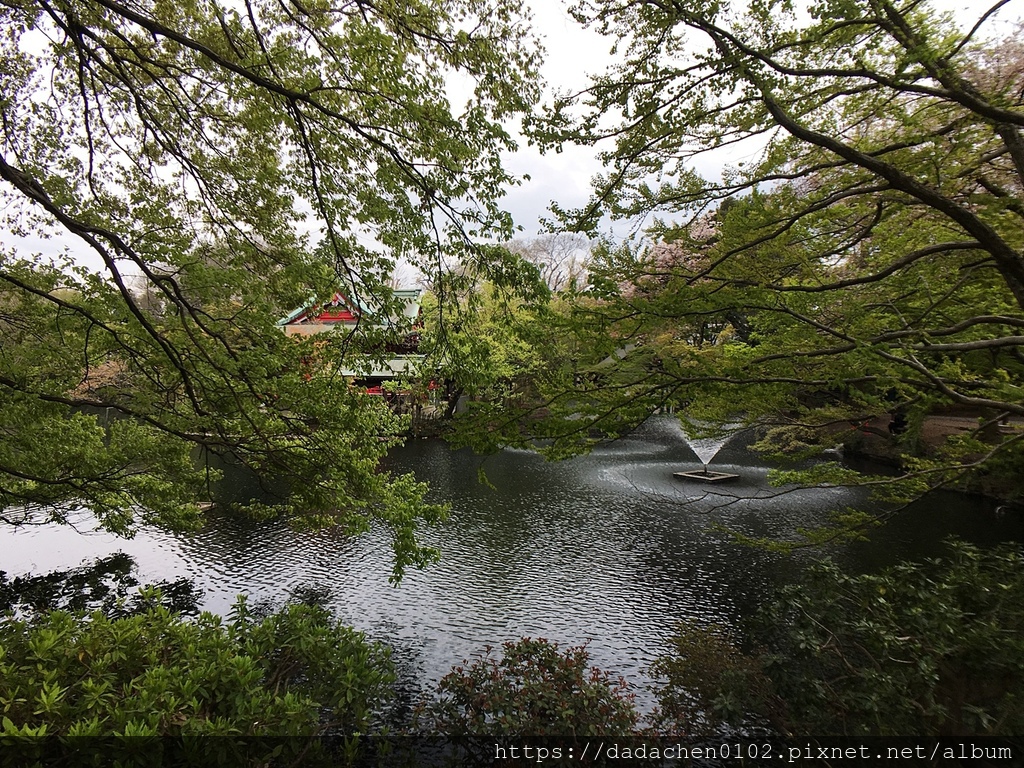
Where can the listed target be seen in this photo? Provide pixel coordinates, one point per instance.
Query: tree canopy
(222, 164)
(861, 254)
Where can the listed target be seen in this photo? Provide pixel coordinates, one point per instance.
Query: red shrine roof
(337, 310)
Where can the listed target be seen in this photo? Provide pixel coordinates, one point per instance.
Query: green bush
(707, 682)
(535, 692)
(934, 648)
(153, 687)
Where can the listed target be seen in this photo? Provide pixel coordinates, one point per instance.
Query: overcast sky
(571, 54)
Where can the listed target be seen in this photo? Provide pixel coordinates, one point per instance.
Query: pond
(607, 549)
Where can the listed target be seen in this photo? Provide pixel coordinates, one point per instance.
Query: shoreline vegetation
(160, 685)
(872, 440)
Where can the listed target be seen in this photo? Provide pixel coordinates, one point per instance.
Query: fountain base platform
(705, 476)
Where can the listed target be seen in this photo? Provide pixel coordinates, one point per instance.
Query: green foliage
(497, 350)
(919, 648)
(934, 648)
(487, 351)
(155, 688)
(862, 260)
(213, 167)
(706, 681)
(534, 692)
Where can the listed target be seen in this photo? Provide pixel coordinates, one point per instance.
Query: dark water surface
(607, 549)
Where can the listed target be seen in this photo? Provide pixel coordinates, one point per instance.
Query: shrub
(155, 686)
(708, 682)
(934, 648)
(535, 692)
(931, 648)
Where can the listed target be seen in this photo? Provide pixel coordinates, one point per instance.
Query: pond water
(607, 549)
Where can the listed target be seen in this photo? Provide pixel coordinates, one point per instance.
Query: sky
(571, 54)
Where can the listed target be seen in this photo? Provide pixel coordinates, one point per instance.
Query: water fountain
(706, 449)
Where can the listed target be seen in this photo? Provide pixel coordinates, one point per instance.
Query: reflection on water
(607, 549)
(107, 584)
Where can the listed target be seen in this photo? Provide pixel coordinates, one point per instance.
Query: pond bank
(872, 440)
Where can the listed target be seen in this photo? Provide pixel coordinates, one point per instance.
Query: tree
(863, 258)
(497, 349)
(561, 258)
(234, 160)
